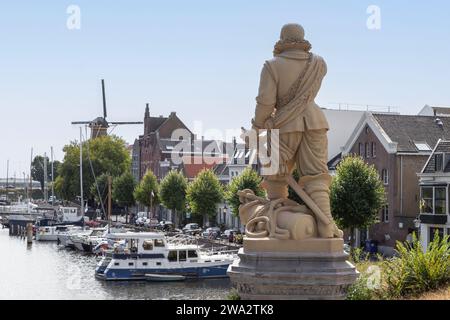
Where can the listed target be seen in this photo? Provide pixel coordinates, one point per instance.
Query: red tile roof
(193, 165)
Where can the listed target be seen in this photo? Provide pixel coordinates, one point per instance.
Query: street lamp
(225, 210)
(417, 226)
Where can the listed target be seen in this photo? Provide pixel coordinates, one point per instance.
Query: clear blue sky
(201, 59)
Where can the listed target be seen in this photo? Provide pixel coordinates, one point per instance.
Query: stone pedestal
(313, 269)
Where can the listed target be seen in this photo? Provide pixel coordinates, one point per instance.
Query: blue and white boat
(150, 253)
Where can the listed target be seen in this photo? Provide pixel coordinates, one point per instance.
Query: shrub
(412, 272)
(233, 295)
(415, 271)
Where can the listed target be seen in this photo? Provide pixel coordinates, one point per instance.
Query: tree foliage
(357, 194)
(204, 193)
(37, 169)
(123, 189)
(248, 179)
(106, 154)
(100, 194)
(143, 191)
(173, 191)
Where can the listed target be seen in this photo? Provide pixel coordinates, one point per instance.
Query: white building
(434, 194)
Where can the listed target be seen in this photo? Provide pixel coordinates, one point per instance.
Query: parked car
(192, 229)
(165, 225)
(151, 223)
(226, 233)
(213, 232)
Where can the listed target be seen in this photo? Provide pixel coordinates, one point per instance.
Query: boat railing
(219, 250)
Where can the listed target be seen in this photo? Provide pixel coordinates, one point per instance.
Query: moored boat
(150, 253)
(50, 233)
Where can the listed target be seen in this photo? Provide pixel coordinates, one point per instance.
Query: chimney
(439, 123)
(235, 150)
(172, 114)
(147, 111)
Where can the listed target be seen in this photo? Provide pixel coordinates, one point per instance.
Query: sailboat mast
(53, 180)
(45, 178)
(7, 178)
(31, 176)
(81, 172)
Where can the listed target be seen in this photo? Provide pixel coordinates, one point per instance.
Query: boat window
(147, 245)
(182, 255)
(145, 263)
(159, 243)
(172, 256)
(116, 263)
(158, 263)
(192, 254)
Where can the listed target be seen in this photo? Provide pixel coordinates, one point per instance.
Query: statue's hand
(269, 124)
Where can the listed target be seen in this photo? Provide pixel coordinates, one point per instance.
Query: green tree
(146, 192)
(248, 179)
(123, 191)
(172, 191)
(357, 194)
(37, 170)
(99, 190)
(204, 193)
(102, 155)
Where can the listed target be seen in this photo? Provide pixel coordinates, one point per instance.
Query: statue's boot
(318, 188)
(277, 188)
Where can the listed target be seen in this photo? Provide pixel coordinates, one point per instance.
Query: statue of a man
(288, 86)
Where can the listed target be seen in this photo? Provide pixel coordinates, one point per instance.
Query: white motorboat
(51, 233)
(76, 239)
(147, 254)
(63, 239)
(87, 240)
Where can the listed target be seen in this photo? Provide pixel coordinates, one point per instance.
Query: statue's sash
(301, 93)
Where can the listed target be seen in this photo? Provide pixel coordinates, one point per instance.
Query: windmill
(99, 126)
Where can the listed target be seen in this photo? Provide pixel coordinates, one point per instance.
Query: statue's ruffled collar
(294, 54)
(290, 44)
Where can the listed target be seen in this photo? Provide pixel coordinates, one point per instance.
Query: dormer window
(438, 162)
(422, 146)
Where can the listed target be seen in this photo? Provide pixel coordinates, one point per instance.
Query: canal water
(47, 271)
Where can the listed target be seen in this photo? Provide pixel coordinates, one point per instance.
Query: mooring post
(29, 233)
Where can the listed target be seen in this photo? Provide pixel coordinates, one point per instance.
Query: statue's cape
(302, 92)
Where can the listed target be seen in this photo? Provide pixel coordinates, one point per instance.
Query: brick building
(398, 146)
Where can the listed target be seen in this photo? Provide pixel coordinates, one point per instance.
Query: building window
(438, 161)
(374, 150)
(367, 151)
(385, 176)
(436, 231)
(440, 201)
(426, 205)
(361, 150)
(385, 214)
(433, 200)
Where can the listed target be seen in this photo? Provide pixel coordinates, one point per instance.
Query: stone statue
(291, 251)
(288, 86)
